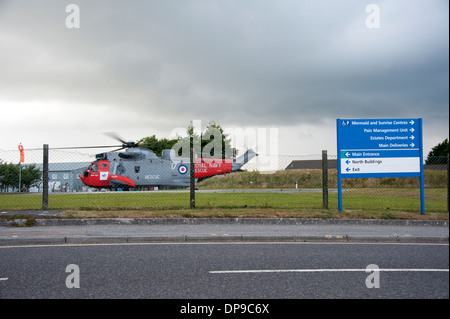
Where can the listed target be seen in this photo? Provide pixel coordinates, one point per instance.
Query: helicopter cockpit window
(94, 167)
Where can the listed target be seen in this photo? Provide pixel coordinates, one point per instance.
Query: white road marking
(255, 271)
(3, 279)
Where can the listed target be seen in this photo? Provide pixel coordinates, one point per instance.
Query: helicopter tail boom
(243, 159)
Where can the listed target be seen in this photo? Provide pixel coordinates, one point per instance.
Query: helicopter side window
(120, 169)
(114, 168)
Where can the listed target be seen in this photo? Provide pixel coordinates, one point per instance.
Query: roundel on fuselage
(182, 169)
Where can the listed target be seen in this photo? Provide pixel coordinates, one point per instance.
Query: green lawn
(366, 199)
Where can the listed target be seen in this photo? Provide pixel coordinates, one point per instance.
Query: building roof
(311, 164)
(64, 167)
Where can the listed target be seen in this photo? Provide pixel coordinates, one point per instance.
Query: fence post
(325, 179)
(45, 179)
(192, 178)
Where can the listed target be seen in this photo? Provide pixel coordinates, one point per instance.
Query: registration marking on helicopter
(152, 177)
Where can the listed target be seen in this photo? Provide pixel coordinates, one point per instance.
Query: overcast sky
(140, 68)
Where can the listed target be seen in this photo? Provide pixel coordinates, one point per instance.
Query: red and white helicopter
(141, 167)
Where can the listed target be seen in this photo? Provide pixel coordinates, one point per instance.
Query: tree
(213, 140)
(212, 143)
(438, 154)
(157, 145)
(9, 176)
(30, 176)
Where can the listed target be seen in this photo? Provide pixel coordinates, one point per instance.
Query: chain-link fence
(133, 181)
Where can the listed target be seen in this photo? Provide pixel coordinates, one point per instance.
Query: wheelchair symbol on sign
(345, 123)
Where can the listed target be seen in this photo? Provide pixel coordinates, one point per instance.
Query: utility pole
(448, 182)
(192, 174)
(20, 176)
(45, 179)
(22, 159)
(325, 179)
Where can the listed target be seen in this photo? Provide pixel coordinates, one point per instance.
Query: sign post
(380, 148)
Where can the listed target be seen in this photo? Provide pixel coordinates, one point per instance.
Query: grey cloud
(238, 62)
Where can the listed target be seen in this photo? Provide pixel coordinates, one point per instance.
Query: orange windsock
(22, 153)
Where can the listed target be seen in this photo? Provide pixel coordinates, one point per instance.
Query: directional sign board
(379, 148)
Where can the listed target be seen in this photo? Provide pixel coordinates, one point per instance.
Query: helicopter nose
(83, 176)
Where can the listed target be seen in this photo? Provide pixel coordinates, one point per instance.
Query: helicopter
(138, 167)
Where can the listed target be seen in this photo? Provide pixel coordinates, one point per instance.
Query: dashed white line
(255, 271)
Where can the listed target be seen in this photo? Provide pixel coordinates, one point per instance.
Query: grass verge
(380, 203)
(255, 213)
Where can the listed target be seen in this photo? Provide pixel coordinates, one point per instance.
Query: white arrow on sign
(412, 144)
(412, 122)
(412, 137)
(412, 130)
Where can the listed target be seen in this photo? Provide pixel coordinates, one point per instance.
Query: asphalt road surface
(256, 271)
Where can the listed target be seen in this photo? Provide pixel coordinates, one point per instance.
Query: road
(225, 270)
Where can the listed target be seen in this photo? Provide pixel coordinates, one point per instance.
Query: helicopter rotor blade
(125, 144)
(116, 137)
(81, 147)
